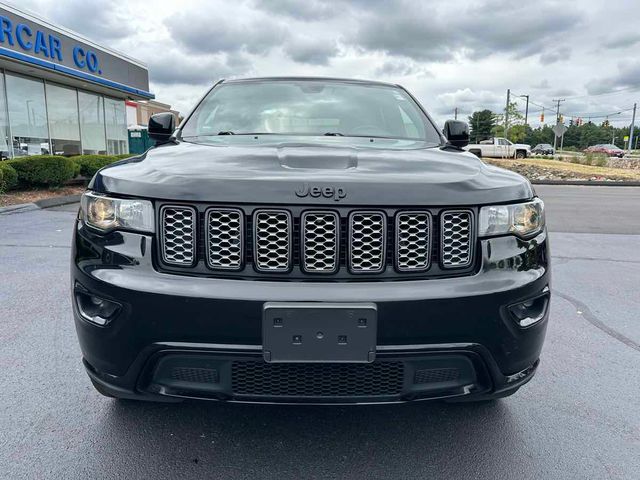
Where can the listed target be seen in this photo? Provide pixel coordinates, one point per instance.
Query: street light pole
(555, 138)
(506, 115)
(526, 109)
(633, 126)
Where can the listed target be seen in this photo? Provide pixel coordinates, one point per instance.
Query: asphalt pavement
(579, 418)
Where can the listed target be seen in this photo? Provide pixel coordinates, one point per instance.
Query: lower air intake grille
(436, 375)
(456, 238)
(317, 380)
(178, 235)
(195, 375)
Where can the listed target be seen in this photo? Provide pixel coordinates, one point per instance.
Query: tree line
(485, 124)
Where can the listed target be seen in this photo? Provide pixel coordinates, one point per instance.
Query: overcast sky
(449, 53)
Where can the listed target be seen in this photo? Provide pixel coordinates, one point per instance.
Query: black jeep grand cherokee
(309, 240)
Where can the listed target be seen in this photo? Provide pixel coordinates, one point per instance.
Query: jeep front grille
(224, 233)
(413, 241)
(367, 233)
(320, 241)
(178, 235)
(273, 240)
(456, 238)
(298, 243)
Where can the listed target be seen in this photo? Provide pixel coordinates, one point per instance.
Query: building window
(5, 141)
(92, 123)
(64, 127)
(28, 115)
(116, 120)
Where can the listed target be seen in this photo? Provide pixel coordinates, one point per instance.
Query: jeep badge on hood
(327, 192)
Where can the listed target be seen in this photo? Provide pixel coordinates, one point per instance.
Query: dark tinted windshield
(310, 108)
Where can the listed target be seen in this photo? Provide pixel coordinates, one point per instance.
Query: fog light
(95, 309)
(530, 311)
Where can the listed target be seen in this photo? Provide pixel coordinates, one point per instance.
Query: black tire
(521, 154)
(477, 153)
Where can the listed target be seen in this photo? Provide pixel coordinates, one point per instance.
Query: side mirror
(457, 133)
(161, 126)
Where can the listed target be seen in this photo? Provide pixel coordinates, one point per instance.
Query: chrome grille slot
(224, 227)
(320, 240)
(178, 232)
(272, 241)
(457, 238)
(367, 242)
(413, 241)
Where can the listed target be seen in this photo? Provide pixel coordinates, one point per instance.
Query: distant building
(138, 113)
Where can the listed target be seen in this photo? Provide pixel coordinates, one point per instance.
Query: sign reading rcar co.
(23, 37)
(45, 45)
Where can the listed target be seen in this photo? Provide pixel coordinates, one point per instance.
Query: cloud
(105, 24)
(541, 85)
(553, 56)
(310, 50)
(624, 41)
(424, 32)
(176, 69)
(402, 68)
(628, 77)
(311, 10)
(214, 32)
(467, 100)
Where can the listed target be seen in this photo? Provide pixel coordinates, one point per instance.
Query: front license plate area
(319, 332)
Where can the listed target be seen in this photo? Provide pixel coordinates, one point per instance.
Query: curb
(19, 208)
(586, 183)
(39, 204)
(57, 201)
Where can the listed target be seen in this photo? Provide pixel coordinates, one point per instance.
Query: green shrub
(596, 159)
(600, 161)
(43, 170)
(90, 164)
(122, 156)
(8, 177)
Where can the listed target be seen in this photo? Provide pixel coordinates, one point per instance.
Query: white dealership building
(61, 93)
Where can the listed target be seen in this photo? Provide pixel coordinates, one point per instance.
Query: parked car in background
(606, 148)
(543, 149)
(499, 148)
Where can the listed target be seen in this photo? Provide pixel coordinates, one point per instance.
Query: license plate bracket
(319, 332)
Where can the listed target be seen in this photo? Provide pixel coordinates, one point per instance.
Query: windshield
(289, 107)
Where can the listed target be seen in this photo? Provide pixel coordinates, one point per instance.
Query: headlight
(108, 213)
(522, 219)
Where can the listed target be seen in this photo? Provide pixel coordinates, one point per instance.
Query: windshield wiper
(333, 134)
(226, 132)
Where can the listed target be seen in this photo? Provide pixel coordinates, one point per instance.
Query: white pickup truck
(498, 147)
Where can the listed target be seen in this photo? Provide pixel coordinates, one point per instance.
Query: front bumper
(193, 337)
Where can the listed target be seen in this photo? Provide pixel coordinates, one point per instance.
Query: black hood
(387, 173)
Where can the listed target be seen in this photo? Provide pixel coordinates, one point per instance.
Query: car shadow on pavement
(261, 441)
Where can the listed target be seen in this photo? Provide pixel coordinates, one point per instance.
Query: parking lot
(578, 419)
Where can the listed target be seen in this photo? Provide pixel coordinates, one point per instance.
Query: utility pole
(555, 138)
(633, 126)
(526, 110)
(455, 113)
(506, 115)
